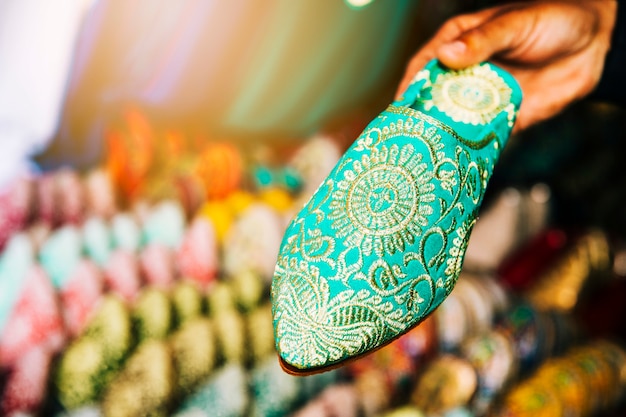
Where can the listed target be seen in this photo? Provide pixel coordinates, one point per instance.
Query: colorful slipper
(380, 244)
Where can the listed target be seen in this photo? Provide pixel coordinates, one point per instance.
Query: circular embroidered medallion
(475, 95)
(384, 200)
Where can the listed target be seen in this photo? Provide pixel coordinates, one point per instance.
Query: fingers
(502, 33)
(450, 30)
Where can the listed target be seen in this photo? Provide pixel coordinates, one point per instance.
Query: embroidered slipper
(381, 242)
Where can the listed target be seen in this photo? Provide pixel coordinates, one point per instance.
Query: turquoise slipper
(381, 242)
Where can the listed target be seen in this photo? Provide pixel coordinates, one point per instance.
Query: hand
(555, 49)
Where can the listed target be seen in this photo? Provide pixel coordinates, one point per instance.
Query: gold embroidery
(321, 329)
(382, 203)
(472, 144)
(382, 241)
(475, 95)
(457, 253)
(407, 111)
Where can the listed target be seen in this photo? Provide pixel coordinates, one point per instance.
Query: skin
(555, 49)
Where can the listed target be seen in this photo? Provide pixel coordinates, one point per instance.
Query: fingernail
(456, 47)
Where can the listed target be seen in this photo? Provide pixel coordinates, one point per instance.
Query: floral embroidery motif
(317, 328)
(383, 200)
(381, 242)
(475, 95)
(456, 254)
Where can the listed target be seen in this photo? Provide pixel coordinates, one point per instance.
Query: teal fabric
(17, 259)
(97, 240)
(381, 242)
(225, 394)
(165, 225)
(60, 254)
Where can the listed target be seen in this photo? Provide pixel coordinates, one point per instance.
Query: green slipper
(381, 242)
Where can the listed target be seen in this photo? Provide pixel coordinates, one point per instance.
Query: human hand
(555, 50)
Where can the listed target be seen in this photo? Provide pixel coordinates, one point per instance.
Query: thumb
(500, 34)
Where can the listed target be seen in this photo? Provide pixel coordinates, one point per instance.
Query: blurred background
(151, 156)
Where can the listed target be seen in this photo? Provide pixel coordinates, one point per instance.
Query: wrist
(612, 86)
